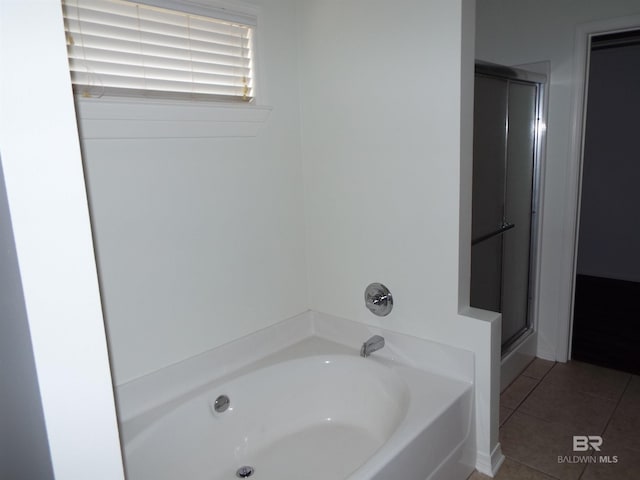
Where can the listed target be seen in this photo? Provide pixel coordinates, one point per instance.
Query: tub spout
(374, 343)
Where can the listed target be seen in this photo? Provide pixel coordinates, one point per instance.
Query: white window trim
(119, 117)
(240, 12)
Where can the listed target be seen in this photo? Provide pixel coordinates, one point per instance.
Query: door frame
(582, 53)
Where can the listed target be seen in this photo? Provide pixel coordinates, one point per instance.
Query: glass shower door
(503, 175)
(489, 146)
(518, 208)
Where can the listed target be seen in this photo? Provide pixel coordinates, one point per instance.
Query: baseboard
(489, 465)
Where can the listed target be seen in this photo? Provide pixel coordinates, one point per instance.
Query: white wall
(387, 163)
(201, 240)
(24, 451)
(514, 33)
(381, 130)
(609, 234)
(50, 221)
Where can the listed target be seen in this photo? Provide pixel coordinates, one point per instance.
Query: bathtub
(311, 409)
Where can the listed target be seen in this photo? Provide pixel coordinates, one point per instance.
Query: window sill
(125, 118)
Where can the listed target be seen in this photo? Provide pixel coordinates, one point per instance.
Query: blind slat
(117, 45)
(118, 12)
(136, 83)
(126, 58)
(182, 49)
(224, 34)
(182, 75)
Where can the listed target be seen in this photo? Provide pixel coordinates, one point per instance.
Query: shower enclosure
(507, 113)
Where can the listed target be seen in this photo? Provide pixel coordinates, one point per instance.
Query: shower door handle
(503, 228)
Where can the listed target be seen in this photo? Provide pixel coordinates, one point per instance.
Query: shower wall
(201, 240)
(228, 235)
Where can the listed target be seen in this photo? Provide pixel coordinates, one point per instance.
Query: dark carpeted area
(606, 323)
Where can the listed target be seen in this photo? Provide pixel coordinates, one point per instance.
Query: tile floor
(549, 403)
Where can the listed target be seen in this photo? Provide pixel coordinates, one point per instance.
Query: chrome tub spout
(374, 343)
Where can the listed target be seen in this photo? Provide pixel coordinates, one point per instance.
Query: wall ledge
(126, 118)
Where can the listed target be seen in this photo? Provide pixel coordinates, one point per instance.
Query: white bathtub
(311, 410)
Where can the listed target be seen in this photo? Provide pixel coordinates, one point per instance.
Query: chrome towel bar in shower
(500, 231)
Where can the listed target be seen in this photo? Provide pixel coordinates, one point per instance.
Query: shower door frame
(539, 80)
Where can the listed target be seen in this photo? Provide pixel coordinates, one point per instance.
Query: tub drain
(244, 472)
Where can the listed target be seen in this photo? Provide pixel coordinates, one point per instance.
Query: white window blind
(117, 47)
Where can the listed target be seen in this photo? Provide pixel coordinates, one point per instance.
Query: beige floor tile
(478, 476)
(624, 430)
(538, 368)
(585, 414)
(627, 466)
(587, 378)
(515, 393)
(512, 470)
(538, 444)
(630, 402)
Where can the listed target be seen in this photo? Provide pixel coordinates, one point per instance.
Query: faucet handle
(378, 299)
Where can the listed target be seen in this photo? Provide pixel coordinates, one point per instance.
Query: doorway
(607, 273)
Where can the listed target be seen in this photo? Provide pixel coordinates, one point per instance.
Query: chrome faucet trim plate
(378, 299)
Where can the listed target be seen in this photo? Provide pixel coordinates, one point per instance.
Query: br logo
(581, 443)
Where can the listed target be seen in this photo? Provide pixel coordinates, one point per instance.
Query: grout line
(549, 371)
(626, 387)
(538, 382)
(520, 375)
(527, 395)
(523, 374)
(533, 468)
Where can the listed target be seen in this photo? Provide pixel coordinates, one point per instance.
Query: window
(122, 48)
